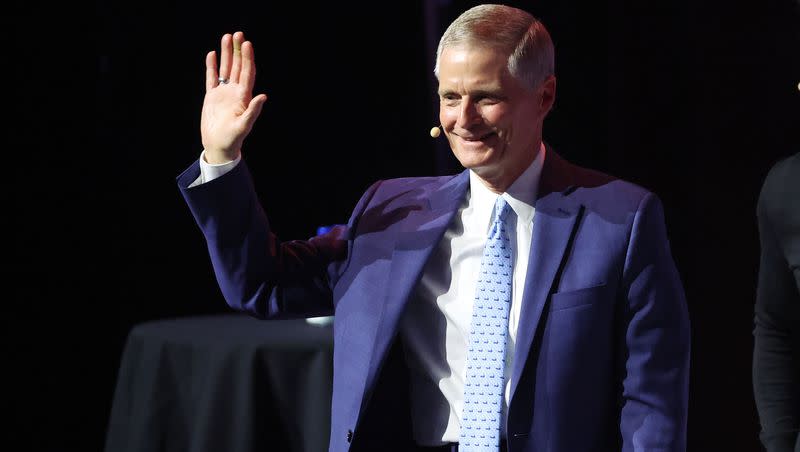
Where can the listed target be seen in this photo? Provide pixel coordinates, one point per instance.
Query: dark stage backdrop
(694, 100)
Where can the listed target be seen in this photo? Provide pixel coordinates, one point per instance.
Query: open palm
(229, 108)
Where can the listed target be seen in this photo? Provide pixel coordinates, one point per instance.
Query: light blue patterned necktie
(484, 385)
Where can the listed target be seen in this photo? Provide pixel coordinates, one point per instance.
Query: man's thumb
(254, 108)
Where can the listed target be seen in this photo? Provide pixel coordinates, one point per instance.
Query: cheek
(496, 117)
(447, 117)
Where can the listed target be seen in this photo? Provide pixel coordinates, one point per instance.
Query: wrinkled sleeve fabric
(656, 339)
(256, 272)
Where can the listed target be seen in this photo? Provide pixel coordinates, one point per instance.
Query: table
(223, 383)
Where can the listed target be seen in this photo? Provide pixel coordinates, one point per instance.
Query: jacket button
(349, 436)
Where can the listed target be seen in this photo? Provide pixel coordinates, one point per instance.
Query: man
(525, 304)
(776, 355)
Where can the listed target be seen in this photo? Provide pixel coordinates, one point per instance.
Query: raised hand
(229, 108)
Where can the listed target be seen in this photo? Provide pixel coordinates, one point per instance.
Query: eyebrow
(488, 92)
(484, 92)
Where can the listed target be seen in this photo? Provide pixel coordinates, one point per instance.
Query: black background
(694, 100)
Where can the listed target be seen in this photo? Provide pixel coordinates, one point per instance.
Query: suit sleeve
(656, 339)
(256, 272)
(776, 380)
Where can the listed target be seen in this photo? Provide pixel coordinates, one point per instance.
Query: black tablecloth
(224, 383)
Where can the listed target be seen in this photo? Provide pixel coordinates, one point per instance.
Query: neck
(499, 180)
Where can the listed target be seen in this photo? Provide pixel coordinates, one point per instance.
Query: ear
(547, 96)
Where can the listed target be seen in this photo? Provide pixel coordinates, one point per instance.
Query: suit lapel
(554, 224)
(421, 233)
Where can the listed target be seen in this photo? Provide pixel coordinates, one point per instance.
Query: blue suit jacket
(602, 354)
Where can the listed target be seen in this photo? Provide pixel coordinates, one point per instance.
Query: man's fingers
(211, 70)
(236, 65)
(248, 74)
(225, 56)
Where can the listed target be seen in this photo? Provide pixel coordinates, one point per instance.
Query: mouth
(477, 138)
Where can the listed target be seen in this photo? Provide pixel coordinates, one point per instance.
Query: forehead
(473, 65)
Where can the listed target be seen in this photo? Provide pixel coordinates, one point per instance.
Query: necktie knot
(501, 210)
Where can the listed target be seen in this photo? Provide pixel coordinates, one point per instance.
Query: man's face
(491, 119)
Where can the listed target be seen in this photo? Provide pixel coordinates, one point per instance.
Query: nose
(468, 115)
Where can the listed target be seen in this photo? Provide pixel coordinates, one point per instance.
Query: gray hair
(509, 30)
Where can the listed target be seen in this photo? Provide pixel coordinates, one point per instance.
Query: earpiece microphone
(435, 132)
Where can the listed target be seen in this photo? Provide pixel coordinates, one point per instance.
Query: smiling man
(525, 304)
(492, 118)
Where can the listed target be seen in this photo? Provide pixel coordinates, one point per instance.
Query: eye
(450, 99)
(487, 100)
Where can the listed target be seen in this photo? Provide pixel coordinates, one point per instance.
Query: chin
(476, 158)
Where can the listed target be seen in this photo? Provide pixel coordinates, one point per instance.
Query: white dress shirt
(435, 326)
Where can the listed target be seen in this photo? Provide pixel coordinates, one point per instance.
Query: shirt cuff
(209, 172)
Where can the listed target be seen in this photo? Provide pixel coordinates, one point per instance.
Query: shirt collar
(521, 195)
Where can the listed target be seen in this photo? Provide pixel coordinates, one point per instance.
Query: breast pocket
(572, 299)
